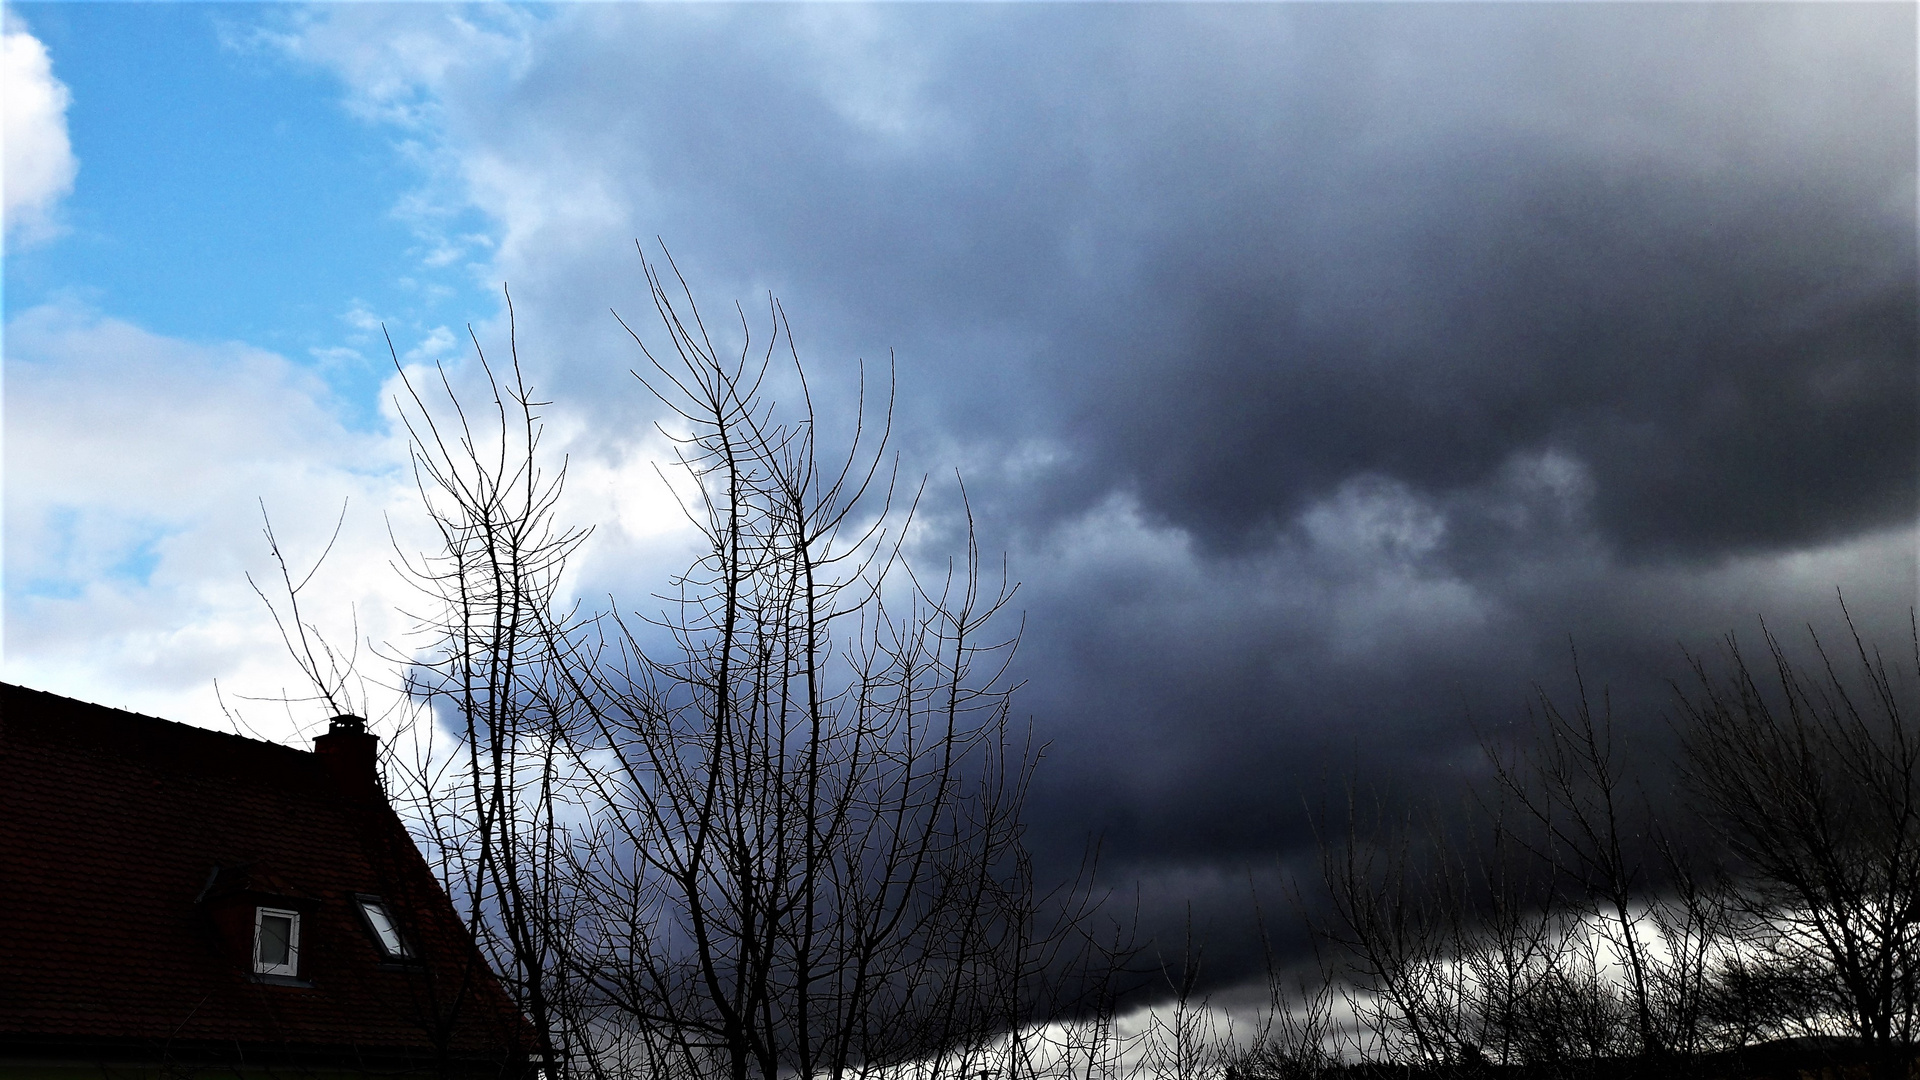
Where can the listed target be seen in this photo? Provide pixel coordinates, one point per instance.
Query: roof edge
(11, 690)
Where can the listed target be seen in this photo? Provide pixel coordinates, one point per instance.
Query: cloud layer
(1321, 368)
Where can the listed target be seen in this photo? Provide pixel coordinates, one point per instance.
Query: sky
(1326, 373)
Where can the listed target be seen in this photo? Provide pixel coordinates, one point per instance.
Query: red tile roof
(124, 839)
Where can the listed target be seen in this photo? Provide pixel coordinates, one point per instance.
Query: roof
(124, 839)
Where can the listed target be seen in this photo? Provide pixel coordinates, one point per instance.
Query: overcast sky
(1322, 370)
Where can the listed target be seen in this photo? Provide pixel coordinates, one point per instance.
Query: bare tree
(1570, 781)
(491, 639)
(807, 857)
(1511, 942)
(1812, 778)
(1394, 910)
(485, 803)
(1297, 1036)
(776, 827)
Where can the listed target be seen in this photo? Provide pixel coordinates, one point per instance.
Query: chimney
(348, 753)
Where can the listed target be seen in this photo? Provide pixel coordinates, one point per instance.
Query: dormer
(263, 925)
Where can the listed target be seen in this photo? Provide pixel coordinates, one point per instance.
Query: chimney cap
(347, 722)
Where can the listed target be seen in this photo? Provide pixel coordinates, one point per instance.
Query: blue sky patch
(226, 193)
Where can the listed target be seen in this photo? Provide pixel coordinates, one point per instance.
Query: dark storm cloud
(1324, 368)
(1235, 258)
(1735, 369)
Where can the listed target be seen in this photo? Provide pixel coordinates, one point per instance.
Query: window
(392, 945)
(276, 942)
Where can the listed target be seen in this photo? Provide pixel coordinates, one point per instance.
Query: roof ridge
(17, 688)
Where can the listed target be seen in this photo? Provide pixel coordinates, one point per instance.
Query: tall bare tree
(1811, 775)
(801, 844)
(491, 634)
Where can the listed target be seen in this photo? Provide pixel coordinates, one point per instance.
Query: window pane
(276, 939)
(383, 927)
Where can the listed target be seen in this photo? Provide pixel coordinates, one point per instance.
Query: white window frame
(291, 968)
(398, 950)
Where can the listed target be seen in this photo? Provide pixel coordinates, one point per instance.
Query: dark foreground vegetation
(1759, 915)
(1746, 903)
(767, 822)
(1791, 1059)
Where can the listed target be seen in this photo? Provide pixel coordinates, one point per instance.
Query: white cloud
(397, 71)
(136, 469)
(335, 357)
(361, 319)
(137, 466)
(874, 72)
(438, 344)
(40, 165)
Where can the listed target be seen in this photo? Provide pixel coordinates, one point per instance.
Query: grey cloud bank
(1321, 368)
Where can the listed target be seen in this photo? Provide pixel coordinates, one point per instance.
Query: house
(177, 902)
